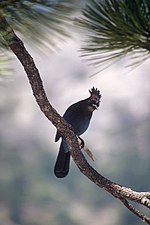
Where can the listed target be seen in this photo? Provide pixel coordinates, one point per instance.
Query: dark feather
(78, 115)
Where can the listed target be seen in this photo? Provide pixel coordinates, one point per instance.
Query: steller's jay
(78, 116)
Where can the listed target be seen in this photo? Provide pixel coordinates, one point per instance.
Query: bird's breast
(80, 126)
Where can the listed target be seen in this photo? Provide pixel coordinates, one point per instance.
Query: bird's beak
(95, 106)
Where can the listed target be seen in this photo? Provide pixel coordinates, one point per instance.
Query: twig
(135, 211)
(88, 152)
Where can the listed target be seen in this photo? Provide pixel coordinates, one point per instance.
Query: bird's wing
(70, 116)
(57, 136)
(69, 113)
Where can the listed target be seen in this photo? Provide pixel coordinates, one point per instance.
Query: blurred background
(118, 136)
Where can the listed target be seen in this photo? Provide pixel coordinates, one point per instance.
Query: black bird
(78, 116)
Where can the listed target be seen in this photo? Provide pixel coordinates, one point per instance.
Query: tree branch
(135, 211)
(118, 191)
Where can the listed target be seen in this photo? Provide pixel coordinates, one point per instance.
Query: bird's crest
(95, 91)
(95, 96)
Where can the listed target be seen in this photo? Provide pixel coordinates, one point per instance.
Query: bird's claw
(81, 142)
(82, 145)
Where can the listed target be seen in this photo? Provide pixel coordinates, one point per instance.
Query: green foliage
(39, 20)
(5, 69)
(42, 22)
(114, 29)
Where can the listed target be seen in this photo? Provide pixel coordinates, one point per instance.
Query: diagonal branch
(135, 211)
(118, 191)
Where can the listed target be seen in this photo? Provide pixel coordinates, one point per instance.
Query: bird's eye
(94, 104)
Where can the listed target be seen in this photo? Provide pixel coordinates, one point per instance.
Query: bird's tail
(61, 168)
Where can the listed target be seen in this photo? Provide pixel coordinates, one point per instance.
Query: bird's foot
(82, 145)
(81, 142)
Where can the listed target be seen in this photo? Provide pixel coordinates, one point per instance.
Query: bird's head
(94, 99)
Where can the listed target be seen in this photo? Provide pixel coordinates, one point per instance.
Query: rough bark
(117, 190)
